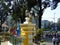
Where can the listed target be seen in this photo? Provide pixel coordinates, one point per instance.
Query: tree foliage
(20, 6)
(31, 3)
(58, 24)
(58, 21)
(38, 35)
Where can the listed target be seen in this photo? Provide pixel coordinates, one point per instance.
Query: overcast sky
(49, 14)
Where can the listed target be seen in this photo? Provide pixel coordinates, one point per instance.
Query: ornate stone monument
(27, 32)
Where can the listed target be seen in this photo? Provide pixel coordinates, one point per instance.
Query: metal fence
(15, 40)
(12, 39)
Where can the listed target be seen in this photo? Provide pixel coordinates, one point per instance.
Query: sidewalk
(47, 43)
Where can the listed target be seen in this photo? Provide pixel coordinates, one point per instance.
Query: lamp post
(55, 27)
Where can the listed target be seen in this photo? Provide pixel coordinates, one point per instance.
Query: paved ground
(47, 43)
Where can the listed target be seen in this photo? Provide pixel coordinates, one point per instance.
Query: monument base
(6, 43)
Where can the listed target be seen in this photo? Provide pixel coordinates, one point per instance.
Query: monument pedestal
(27, 33)
(6, 43)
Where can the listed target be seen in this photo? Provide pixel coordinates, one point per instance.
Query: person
(13, 30)
(59, 39)
(18, 28)
(53, 40)
(57, 42)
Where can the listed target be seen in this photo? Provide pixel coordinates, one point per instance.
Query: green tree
(58, 24)
(45, 5)
(38, 35)
(19, 10)
(22, 5)
(58, 21)
(3, 11)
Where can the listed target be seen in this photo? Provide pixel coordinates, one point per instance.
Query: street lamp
(55, 27)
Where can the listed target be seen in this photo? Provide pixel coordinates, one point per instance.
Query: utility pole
(55, 27)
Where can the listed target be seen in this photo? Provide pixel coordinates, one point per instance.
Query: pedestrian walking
(59, 39)
(57, 42)
(54, 41)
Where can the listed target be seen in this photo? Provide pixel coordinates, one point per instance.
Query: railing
(15, 40)
(8, 37)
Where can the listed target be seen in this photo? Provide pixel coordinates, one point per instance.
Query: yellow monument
(27, 32)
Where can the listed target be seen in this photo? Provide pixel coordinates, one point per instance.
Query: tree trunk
(22, 19)
(40, 21)
(40, 12)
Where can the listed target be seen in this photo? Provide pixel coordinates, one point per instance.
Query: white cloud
(49, 14)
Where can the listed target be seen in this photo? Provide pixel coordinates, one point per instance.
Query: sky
(49, 14)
